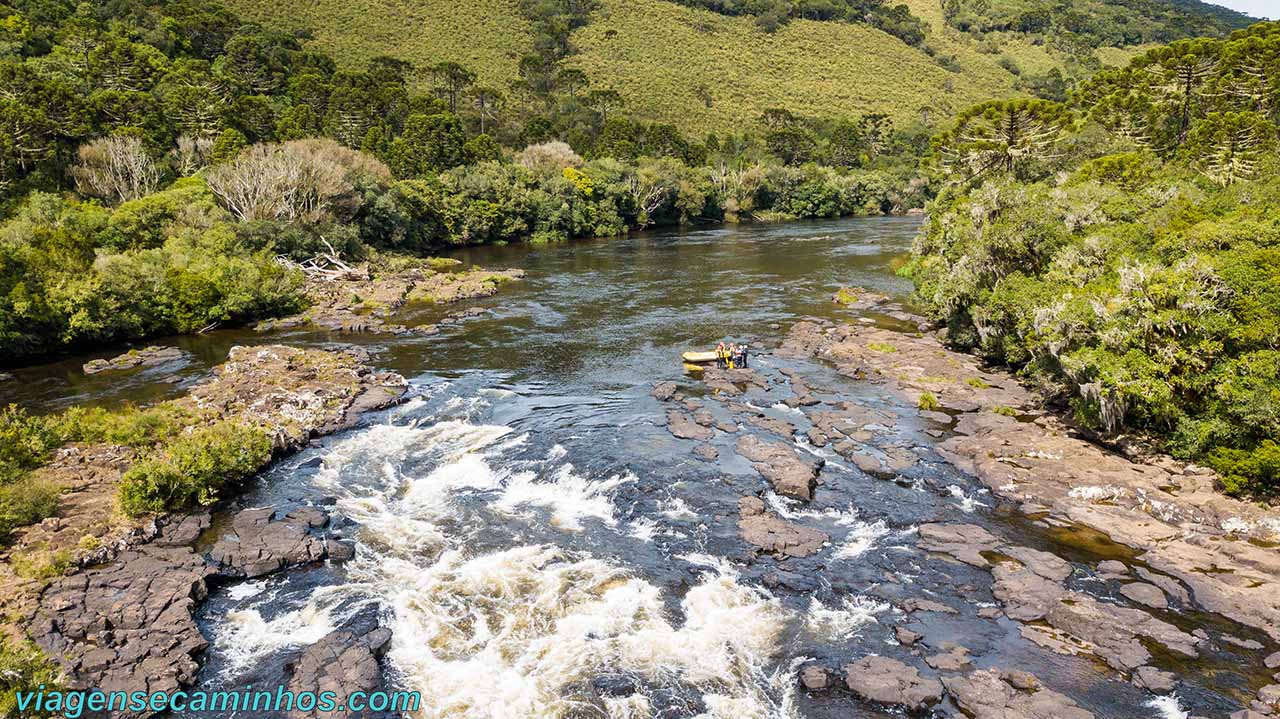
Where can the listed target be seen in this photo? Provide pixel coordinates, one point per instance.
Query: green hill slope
(488, 37)
(700, 70)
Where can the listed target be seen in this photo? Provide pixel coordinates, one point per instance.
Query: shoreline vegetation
(1121, 250)
(117, 482)
(168, 169)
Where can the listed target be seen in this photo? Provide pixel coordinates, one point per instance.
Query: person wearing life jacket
(733, 356)
(722, 356)
(741, 359)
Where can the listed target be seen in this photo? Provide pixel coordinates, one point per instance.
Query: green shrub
(128, 425)
(24, 668)
(928, 402)
(194, 469)
(25, 442)
(24, 502)
(1249, 472)
(40, 564)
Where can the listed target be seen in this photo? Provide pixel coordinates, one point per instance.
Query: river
(540, 544)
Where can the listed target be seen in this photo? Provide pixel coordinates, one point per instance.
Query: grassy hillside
(488, 37)
(703, 71)
(699, 70)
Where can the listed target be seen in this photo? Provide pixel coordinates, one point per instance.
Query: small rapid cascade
(542, 545)
(465, 543)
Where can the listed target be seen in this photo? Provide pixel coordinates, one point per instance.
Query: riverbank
(1179, 547)
(110, 597)
(781, 542)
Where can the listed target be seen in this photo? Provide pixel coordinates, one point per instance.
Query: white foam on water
(374, 446)
(1168, 707)
(860, 539)
(791, 509)
(844, 620)
(569, 496)
(783, 407)
(244, 637)
(634, 706)
(536, 625)
(246, 590)
(967, 504)
(643, 528)
(675, 508)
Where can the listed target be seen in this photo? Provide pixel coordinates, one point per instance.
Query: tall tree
(451, 80)
(487, 101)
(1016, 137)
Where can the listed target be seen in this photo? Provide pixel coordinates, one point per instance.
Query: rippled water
(542, 547)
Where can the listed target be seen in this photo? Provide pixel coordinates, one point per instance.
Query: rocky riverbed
(558, 522)
(1176, 549)
(122, 616)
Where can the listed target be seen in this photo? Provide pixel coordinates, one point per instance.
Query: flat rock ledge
(129, 625)
(360, 303)
(889, 681)
(1030, 585)
(993, 694)
(1170, 512)
(775, 535)
(146, 357)
(342, 662)
(260, 542)
(122, 619)
(790, 474)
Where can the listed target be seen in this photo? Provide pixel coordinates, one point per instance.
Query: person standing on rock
(722, 356)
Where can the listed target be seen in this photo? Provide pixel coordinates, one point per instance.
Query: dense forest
(156, 157)
(159, 157)
(1123, 248)
(1096, 23)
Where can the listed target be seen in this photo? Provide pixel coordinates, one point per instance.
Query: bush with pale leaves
(115, 169)
(312, 180)
(549, 158)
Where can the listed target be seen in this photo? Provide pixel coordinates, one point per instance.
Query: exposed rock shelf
(368, 304)
(1192, 547)
(124, 620)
